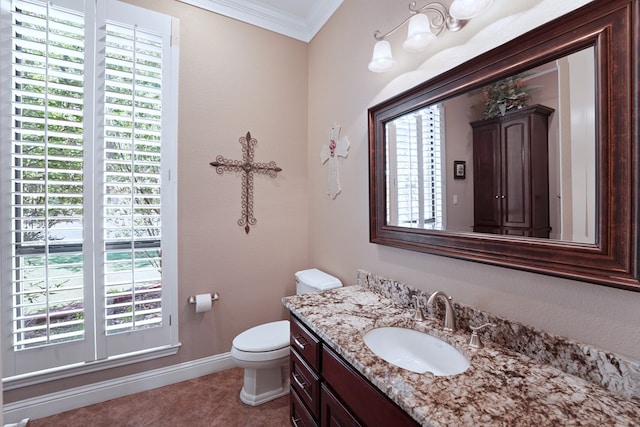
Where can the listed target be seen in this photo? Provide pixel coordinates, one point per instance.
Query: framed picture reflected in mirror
(459, 169)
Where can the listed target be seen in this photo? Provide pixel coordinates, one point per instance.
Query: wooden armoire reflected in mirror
(511, 173)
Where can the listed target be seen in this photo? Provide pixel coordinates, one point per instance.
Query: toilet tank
(314, 280)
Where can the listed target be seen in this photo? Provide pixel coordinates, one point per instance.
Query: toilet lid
(266, 337)
(317, 279)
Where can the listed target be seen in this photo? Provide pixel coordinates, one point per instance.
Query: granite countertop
(501, 387)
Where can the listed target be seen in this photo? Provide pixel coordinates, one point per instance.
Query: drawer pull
(302, 384)
(294, 421)
(298, 343)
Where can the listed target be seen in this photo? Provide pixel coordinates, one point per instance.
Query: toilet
(263, 351)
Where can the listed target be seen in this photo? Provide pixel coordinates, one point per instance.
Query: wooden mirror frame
(611, 27)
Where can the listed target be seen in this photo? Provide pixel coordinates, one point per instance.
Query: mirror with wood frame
(581, 226)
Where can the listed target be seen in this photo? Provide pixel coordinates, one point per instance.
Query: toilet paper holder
(214, 297)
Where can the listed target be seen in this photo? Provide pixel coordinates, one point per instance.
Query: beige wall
(341, 89)
(234, 78)
(457, 110)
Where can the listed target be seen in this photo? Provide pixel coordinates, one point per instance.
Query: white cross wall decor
(337, 147)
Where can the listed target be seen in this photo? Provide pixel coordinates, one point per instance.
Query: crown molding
(302, 25)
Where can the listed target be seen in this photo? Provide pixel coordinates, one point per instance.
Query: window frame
(97, 353)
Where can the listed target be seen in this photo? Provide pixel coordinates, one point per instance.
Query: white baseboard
(54, 403)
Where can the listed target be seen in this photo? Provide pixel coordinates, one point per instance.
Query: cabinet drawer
(334, 414)
(360, 396)
(300, 415)
(306, 383)
(305, 343)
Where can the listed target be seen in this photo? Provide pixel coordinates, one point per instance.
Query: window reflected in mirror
(414, 164)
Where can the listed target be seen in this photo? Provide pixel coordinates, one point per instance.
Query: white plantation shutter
(132, 200)
(46, 181)
(432, 167)
(87, 274)
(415, 170)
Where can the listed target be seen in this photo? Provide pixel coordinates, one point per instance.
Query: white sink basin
(416, 351)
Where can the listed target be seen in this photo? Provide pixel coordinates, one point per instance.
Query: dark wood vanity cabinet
(511, 173)
(304, 368)
(327, 391)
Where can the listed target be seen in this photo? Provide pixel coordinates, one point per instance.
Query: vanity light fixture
(425, 24)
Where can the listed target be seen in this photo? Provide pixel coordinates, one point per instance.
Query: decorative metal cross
(247, 167)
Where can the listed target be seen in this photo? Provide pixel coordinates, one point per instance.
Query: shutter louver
(132, 126)
(47, 174)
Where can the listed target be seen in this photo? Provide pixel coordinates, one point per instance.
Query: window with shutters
(414, 180)
(88, 184)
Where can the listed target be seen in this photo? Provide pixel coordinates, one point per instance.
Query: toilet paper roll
(203, 303)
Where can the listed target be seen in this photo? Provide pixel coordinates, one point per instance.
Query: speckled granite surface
(502, 386)
(614, 372)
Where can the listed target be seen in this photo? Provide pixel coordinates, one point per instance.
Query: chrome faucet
(475, 338)
(450, 314)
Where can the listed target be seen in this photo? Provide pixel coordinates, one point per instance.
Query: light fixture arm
(425, 24)
(439, 20)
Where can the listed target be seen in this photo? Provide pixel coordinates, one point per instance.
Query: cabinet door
(334, 414)
(487, 189)
(516, 173)
(359, 396)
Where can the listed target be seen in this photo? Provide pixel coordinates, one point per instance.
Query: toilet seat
(268, 341)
